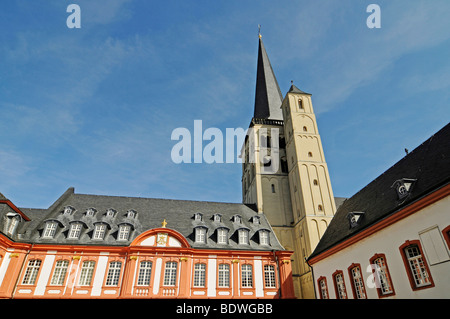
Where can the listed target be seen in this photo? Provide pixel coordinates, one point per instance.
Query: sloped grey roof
(150, 213)
(268, 97)
(428, 165)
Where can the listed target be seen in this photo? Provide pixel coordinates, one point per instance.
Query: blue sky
(94, 108)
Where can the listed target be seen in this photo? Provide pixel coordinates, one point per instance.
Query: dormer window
(50, 229)
(198, 217)
(131, 213)
(403, 187)
(237, 219)
(217, 218)
(200, 235)
(110, 212)
(124, 232)
(91, 212)
(75, 231)
(354, 218)
(264, 237)
(12, 221)
(68, 210)
(99, 231)
(256, 220)
(222, 236)
(243, 236)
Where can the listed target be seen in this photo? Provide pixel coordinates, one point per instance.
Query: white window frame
(170, 274)
(383, 276)
(269, 276)
(124, 232)
(198, 217)
(247, 276)
(110, 213)
(113, 277)
(417, 266)
(13, 222)
(264, 237)
(59, 274)
(87, 272)
(217, 218)
(75, 230)
(200, 235)
(199, 275)
(145, 273)
(243, 236)
(222, 236)
(32, 271)
(99, 231)
(224, 276)
(50, 229)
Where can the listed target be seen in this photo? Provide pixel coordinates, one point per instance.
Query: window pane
(87, 270)
(269, 276)
(60, 272)
(145, 272)
(112, 279)
(247, 276)
(199, 275)
(31, 273)
(417, 266)
(170, 273)
(224, 275)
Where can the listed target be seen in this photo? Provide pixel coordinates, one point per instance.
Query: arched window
(50, 229)
(247, 276)
(305, 129)
(59, 274)
(31, 273)
(269, 276)
(170, 273)
(320, 208)
(112, 279)
(416, 265)
(300, 104)
(310, 154)
(273, 188)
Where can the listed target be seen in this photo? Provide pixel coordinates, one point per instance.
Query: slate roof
(268, 97)
(428, 165)
(150, 213)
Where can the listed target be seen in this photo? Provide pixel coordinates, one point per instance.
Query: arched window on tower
(300, 104)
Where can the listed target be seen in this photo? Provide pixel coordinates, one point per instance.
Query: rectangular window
(112, 279)
(199, 275)
(145, 272)
(264, 237)
(75, 231)
(99, 231)
(383, 276)
(200, 234)
(170, 273)
(243, 236)
(87, 271)
(59, 273)
(222, 236)
(224, 275)
(50, 230)
(269, 276)
(124, 232)
(247, 276)
(358, 283)
(417, 266)
(31, 272)
(340, 286)
(323, 288)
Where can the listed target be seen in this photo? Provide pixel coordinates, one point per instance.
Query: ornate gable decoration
(355, 218)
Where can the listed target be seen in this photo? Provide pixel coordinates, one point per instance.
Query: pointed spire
(268, 96)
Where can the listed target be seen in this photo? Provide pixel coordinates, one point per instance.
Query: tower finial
(259, 31)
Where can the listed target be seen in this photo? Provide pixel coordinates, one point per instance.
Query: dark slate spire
(268, 96)
(294, 89)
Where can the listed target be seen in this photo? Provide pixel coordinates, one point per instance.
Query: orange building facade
(156, 263)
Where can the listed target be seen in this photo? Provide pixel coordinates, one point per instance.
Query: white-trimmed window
(222, 236)
(247, 276)
(145, 273)
(382, 275)
(75, 230)
(59, 274)
(263, 237)
(91, 212)
(417, 266)
(124, 232)
(68, 210)
(217, 218)
(50, 229)
(87, 271)
(200, 235)
(99, 231)
(198, 217)
(199, 275)
(131, 214)
(224, 275)
(110, 212)
(237, 219)
(112, 279)
(243, 236)
(170, 273)
(269, 276)
(323, 288)
(357, 283)
(12, 223)
(31, 273)
(256, 220)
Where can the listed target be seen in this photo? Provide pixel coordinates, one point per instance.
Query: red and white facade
(158, 264)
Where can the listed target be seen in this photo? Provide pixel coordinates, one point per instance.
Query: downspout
(21, 270)
(278, 273)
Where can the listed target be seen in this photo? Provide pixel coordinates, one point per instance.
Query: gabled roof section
(294, 89)
(268, 97)
(428, 166)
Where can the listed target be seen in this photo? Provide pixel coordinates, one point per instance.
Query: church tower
(284, 170)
